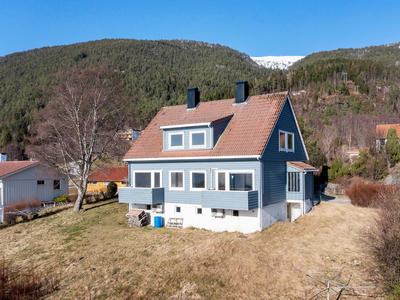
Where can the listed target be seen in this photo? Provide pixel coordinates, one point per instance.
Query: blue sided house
(235, 164)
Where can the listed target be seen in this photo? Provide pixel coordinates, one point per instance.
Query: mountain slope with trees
(154, 74)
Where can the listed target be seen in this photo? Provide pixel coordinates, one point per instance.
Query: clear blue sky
(257, 28)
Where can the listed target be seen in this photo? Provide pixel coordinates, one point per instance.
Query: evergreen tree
(393, 146)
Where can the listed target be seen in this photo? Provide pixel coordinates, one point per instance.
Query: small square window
(148, 207)
(176, 140)
(177, 209)
(235, 213)
(286, 141)
(40, 182)
(198, 139)
(199, 210)
(56, 184)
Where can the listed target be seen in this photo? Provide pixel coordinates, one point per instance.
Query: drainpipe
(212, 178)
(262, 191)
(304, 192)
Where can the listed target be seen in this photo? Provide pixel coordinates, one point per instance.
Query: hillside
(97, 256)
(388, 55)
(155, 73)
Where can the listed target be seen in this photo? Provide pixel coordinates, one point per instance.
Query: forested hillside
(388, 55)
(155, 74)
(339, 96)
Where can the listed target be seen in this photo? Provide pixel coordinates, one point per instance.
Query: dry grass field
(97, 256)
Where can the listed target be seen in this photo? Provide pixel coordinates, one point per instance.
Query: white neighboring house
(28, 180)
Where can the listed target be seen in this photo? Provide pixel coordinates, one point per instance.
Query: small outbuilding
(28, 181)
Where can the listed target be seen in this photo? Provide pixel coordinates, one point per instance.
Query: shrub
(367, 194)
(112, 189)
(63, 198)
(337, 169)
(25, 283)
(383, 240)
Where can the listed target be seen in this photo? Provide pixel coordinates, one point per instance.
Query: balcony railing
(236, 200)
(148, 196)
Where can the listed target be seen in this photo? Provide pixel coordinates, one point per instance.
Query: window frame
(56, 186)
(191, 146)
(182, 133)
(227, 179)
(40, 182)
(295, 179)
(197, 210)
(286, 149)
(151, 178)
(170, 181)
(191, 180)
(176, 209)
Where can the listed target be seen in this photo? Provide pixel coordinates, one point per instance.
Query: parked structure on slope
(235, 164)
(28, 181)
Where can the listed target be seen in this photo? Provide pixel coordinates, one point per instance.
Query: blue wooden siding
(309, 185)
(195, 197)
(141, 195)
(243, 200)
(285, 122)
(274, 190)
(219, 128)
(186, 137)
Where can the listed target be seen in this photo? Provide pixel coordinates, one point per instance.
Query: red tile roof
(110, 174)
(302, 166)
(358, 150)
(382, 130)
(8, 167)
(246, 134)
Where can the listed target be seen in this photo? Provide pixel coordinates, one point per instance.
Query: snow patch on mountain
(276, 62)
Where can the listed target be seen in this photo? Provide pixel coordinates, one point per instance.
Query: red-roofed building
(26, 181)
(382, 132)
(221, 165)
(99, 180)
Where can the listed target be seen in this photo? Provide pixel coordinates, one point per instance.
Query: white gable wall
(24, 185)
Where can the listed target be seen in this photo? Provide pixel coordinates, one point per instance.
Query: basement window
(177, 209)
(235, 213)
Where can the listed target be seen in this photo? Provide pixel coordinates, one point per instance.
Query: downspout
(262, 191)
(304, 192)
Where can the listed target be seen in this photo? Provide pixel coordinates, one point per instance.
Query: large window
(240, 182)
(293, 182)
(286, 141)
(235, 180)
(176, 140)
(198, 139)
(147, 179)
(177, 180)
(198, 180)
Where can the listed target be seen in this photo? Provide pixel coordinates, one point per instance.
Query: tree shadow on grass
(101, 204)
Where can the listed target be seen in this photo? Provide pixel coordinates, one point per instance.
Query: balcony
(236, 200)
(148, 196)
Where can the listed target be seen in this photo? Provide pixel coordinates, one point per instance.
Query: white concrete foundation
(272, 214)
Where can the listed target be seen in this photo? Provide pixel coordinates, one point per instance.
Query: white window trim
(151, 178)
(197, 146)
(227, 181)
(183, 180)
(176, 147)
(205, 180)
(286, 141)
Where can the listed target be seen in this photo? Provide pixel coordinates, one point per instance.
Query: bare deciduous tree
(80, 123)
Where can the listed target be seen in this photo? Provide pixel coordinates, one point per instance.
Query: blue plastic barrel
(158, 222)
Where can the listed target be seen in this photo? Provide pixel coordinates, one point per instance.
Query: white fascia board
(185, 125)
(192, 158)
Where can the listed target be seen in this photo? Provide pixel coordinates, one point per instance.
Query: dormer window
(286, 141)
(198, 139)
(176, 140)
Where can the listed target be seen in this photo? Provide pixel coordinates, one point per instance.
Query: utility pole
(356, 86)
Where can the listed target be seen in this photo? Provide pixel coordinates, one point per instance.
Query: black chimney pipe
(193, 98)
(241, 91)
